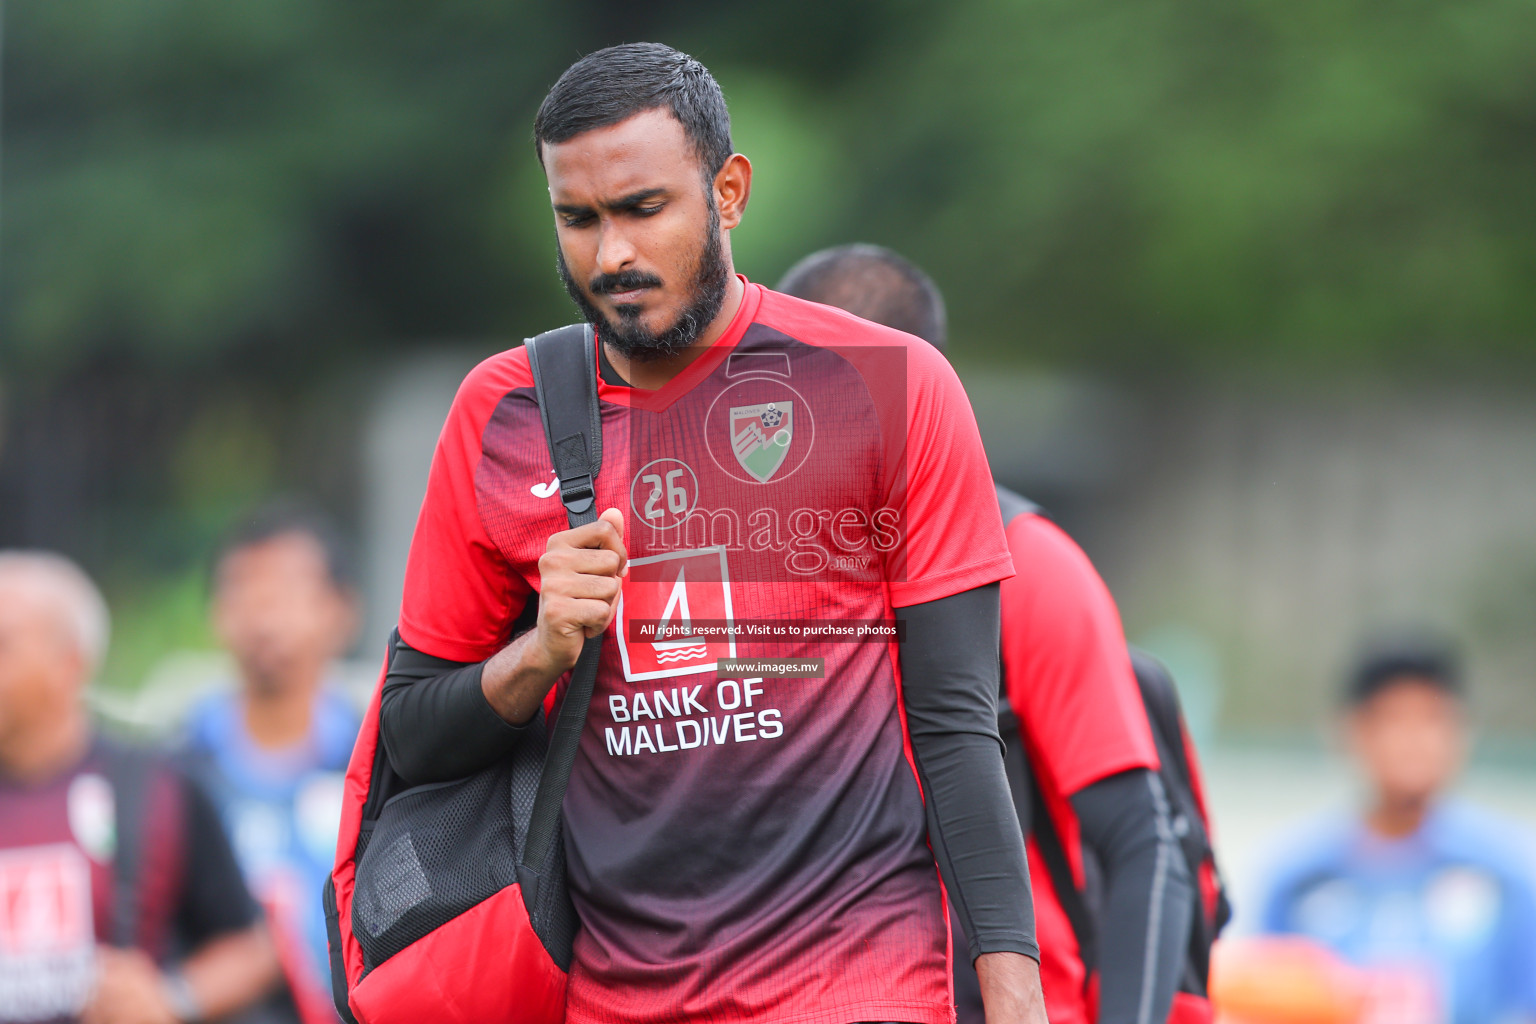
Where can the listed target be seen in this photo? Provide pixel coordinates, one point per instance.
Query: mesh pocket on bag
(437, 851)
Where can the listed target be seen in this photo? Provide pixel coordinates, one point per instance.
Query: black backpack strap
(1161, 698)
(1035, 819)
(128, 772)
(1163, 713)
(564, 365)
(1014, 505)
(1021, 780)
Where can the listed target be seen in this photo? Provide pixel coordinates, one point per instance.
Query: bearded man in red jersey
(740, 846)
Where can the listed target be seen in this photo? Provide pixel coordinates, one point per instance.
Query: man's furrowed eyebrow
(619, 205)
(634, 199)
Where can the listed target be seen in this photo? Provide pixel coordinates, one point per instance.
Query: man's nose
(615, 252)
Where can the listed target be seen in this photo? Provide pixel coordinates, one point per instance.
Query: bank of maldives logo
(663, 596)
(760, 437)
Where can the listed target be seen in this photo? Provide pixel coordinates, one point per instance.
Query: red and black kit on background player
(1083, 756)
(1070, 684)
(119, 849)
(739, 847)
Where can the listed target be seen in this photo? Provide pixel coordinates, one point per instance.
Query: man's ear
(733, 187)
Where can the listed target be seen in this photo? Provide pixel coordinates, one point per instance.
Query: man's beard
(628, 335)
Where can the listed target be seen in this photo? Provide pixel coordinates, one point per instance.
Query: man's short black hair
(614, 84)
(281, 518)
(1420, 657)
(872, 282)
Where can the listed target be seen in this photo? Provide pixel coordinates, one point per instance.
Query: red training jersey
(742, 847)
(1069, 680)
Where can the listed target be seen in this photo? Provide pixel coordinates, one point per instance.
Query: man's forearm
(1010, 987)
(232, 972)
(516, 680)
(445, 720)
(977, 842)
(435, 720)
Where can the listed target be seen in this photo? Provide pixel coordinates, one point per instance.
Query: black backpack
(1188, 820)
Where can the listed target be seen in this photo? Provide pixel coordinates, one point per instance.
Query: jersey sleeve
(1066, 665)
(953, 539)
(461, 596)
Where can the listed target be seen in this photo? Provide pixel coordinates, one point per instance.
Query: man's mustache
(624, 281)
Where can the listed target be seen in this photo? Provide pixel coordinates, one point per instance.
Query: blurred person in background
(273, 750)
(120, 901)
(1068, 678)
(1433, 896)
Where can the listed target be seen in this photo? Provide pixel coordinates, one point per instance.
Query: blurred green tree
(1095, 181)
(213, 214)
(1308, 183)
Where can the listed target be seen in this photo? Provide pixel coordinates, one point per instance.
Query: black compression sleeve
(435, 720)
(1148, 895)
(949, 671)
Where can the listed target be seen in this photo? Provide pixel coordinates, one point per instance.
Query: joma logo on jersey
(760, 437)
(669, 593)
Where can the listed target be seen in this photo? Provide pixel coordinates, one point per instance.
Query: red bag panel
(359, 776)
(484, 965)
(1190, 1009)
(354, 796)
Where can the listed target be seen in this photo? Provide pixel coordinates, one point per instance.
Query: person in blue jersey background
(1434, 897)
(272, 751)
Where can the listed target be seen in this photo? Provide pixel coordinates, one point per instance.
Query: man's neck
(652, 374)
(1397, 820)
(281, 716)
(37, 755)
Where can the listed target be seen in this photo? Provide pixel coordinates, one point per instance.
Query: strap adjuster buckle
(577, 494)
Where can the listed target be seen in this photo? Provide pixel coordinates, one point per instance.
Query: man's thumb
(615, 517)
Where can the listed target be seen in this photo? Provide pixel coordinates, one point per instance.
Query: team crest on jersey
(92, 816)
(761, 435)
(675, 613)
(759, 430)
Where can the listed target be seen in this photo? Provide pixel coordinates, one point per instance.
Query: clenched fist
(580, 575)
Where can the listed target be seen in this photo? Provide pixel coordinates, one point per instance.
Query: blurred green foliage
(215, 216)
(1117, 183)
(151, 617)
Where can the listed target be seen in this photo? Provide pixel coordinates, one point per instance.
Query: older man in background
(120, 902)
